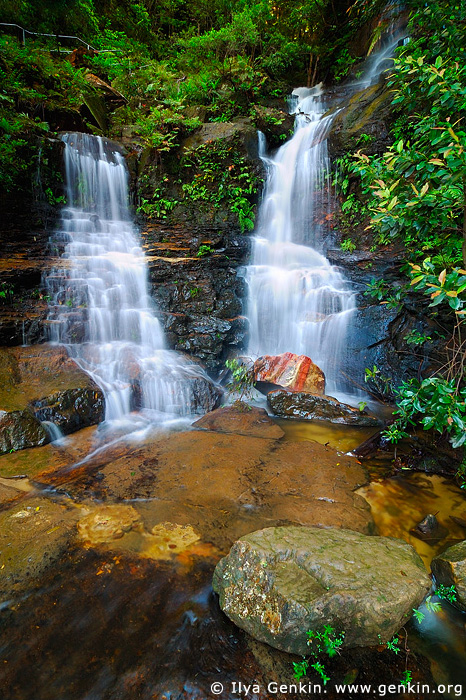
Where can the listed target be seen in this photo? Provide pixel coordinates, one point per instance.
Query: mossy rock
(367, 113)
(281, 582)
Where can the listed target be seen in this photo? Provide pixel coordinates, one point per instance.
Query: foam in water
(298, 302)
(101, 309)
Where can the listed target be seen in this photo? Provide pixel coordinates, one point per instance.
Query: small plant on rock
(204, 250)
(326, 641)
(242, 381)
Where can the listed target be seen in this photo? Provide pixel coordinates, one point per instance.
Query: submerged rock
(310, 407)
(429, 529)
(279, 583)
(168, 539)
(107, 523)
(242, 419)
(223, 485)
(294, 372)
(33, 535)
(449, 569)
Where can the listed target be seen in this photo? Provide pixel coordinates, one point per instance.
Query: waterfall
(100, 308)
(298, 302)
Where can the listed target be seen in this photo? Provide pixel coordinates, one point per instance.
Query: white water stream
(100, 308)
(298, 302)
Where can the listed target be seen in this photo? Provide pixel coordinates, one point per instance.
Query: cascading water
(298, 302)
(101, 309)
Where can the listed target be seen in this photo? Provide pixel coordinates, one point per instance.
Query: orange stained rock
(293, 372)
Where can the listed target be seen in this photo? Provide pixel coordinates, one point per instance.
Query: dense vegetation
(176, 63)
(164, 57)
(416, 196)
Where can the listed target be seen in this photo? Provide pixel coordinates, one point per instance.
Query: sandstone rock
(369, 111)
(33, 535)
(429, 530)
(294, 372)
(201, 296)
(41, 383)
(168, 539)
(449, 569)
(310, 407)
(72, 409)
(223, 485)
(107, 523)
(242, 419)
(278, 583)
(221, 130)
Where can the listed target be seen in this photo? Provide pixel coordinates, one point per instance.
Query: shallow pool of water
(120, 621)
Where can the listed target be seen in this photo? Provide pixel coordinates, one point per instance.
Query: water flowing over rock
(101, 307)
(240, 419)
(306, 406)
(298, 302)
(41, 386)
(279, 583)
(449, 569)
(294, 372)
(34, 535)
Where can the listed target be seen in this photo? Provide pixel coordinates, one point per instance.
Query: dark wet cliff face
(195, 284)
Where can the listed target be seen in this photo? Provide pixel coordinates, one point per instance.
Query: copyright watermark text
(314, 689)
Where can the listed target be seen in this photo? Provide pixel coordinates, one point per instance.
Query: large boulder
(242, 419)
(281, 582)
(449, 569)
(307, 406)
(293, 372)
(41, 383)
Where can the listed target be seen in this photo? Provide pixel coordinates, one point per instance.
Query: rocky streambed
(108, 546)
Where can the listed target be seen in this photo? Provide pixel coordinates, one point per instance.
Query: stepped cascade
(100, 308)
(298, 302)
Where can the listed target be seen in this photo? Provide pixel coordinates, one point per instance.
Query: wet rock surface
(200, 298)
(449, 569)
(41, 383)
(107, 523)
(370, 112)
(20, 429)
(278, 583)
(242, 419)
(176, 640)
(33, 536)
(293, 372)
(287, 404)
(377, 333)
(223, 485)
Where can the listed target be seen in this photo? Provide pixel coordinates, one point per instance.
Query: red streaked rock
(293, 372)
